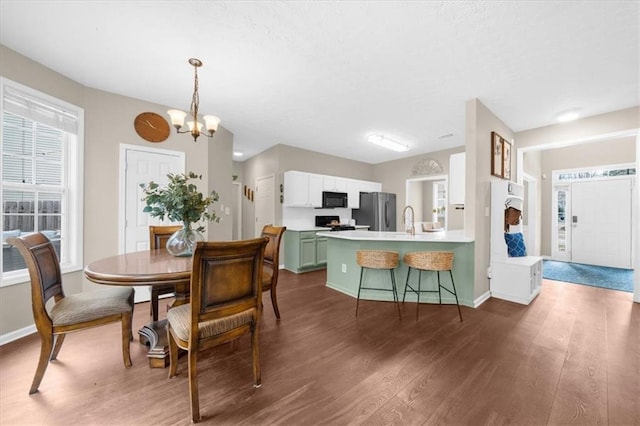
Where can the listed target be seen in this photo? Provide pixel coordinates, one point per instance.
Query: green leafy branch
(180, 201)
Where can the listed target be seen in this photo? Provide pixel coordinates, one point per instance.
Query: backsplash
(302, 217)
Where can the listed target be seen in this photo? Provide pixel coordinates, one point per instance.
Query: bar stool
(378, 259)
(435, 261)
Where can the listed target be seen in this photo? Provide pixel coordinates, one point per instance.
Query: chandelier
(194, 126)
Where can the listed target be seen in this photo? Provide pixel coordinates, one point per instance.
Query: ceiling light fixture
(195, 127)
(237, 154)
(567, 116)
(387, 143)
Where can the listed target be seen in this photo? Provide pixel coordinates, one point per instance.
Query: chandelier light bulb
(194, 125)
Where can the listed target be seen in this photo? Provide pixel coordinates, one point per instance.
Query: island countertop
(456, 236)
(302, 228)
(343, 271)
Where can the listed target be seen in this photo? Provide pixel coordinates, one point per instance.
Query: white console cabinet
(517, 279)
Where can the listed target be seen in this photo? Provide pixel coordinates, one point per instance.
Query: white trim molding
(17, 334)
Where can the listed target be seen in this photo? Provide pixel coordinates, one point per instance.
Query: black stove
(333, 223)
(343, 228)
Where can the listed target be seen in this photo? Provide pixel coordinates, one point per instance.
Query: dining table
(147, 268)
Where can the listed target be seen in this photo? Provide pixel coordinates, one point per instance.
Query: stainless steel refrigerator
(377, 210)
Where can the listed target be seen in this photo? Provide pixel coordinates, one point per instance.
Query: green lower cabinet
(304, 251)
(307, 253)
(321, 250)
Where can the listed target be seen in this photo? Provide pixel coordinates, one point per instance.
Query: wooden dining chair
(158, 236)
(226, 303)
(272, 262)
(69, 313)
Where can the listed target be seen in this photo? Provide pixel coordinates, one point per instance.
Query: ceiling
(322, 75)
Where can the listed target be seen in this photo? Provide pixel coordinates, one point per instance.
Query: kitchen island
(343, 273)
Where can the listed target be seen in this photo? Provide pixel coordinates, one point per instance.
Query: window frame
(72, 188)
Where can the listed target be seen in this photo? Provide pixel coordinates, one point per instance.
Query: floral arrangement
(180, 201)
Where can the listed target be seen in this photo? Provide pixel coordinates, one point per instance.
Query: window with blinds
(41, 175)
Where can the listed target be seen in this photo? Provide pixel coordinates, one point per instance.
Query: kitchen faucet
(412, 231)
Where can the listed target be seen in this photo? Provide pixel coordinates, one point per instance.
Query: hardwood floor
(571, 357)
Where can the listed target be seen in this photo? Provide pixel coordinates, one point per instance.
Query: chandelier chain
(195, 101)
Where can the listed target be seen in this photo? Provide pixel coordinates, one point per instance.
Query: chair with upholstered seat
(158, 236)
(69, 313)
(226, 303)
(272, 262)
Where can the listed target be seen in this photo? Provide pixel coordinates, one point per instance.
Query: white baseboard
(480, 300)
(17, 334)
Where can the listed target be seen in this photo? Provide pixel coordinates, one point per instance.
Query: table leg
(154, 334)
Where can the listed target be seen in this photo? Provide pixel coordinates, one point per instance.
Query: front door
(142, 166)
(601, 222)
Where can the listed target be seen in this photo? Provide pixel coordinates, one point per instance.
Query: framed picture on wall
(497, 160)
(506, 159)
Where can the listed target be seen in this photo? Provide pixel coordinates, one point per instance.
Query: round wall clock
(152, 127)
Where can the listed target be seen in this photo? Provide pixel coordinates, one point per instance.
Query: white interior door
(265, 204)
(143, 166)
(601, 222)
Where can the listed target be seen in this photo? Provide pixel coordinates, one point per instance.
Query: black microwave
(331, 200)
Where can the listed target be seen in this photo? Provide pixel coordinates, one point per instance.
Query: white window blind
(39, 110)
(41, 175)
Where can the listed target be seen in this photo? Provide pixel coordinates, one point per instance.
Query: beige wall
(600, 127)
(108, 123)
(281, 158)
(589, 128)
(261, 165)
(394, 174)
(219, 174)
(480, 122)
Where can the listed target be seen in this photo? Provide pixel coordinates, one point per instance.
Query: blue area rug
(595, 276)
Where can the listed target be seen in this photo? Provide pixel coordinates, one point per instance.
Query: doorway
(428, 196)
(265, 203)
(141, 165)
(546, 189)
(592, 219)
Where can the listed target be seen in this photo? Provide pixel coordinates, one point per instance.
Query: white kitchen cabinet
(353, 194)
(517, 279)
(355, 187)
(302, 189)
(334, 184)
(366, 186)
(457, 178)
(315, 190)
